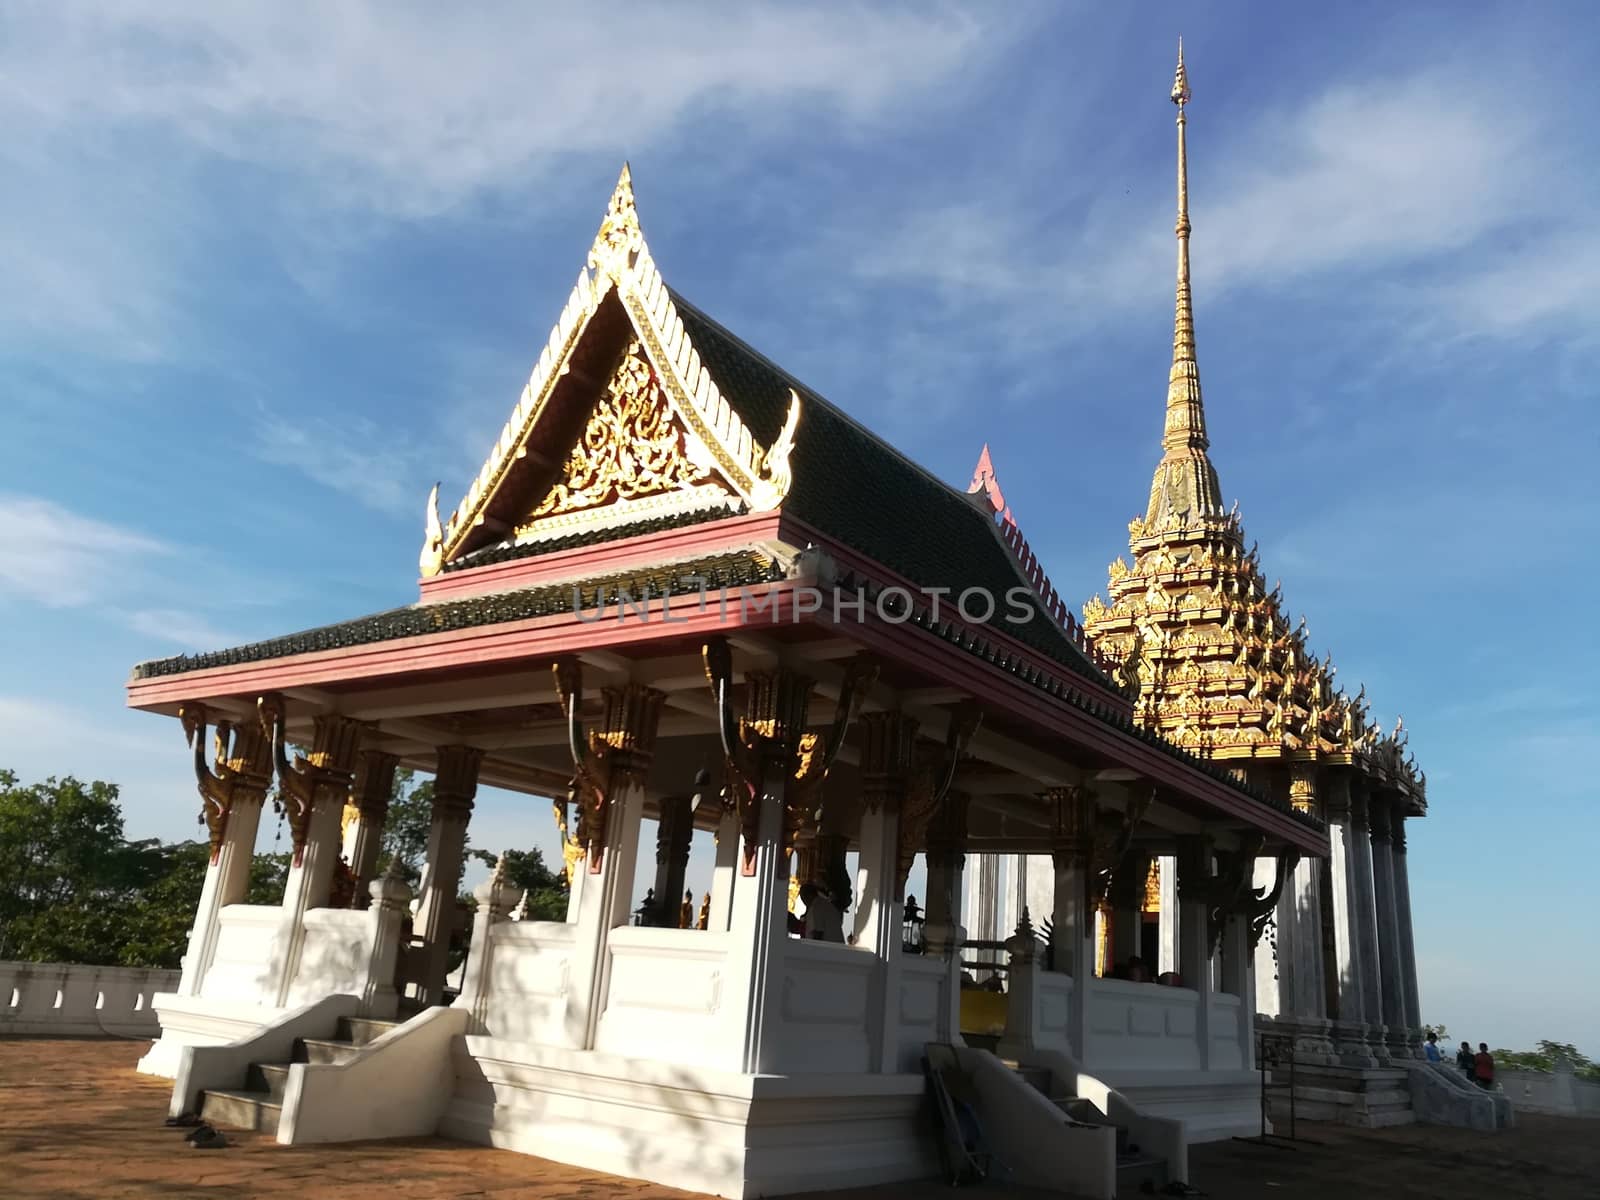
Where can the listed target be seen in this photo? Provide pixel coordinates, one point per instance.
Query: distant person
(1431, 1050)
(1137, 971)
(1464, 1060)
(1483, 1067)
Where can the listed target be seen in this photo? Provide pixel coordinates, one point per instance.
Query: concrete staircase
(1366, 1097)
(259, 1104)
(1135, 1168)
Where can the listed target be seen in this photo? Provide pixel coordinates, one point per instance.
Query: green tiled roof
(852, 485)
(742, 569)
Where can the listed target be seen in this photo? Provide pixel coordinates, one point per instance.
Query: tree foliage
(74, 889)
(1543, 1058)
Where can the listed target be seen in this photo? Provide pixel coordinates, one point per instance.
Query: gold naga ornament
(242, 771)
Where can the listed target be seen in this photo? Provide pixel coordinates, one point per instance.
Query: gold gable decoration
(619, 262)
(633, 458)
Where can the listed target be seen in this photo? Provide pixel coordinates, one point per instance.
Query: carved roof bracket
(242, 771)
(604, 760)
(318, 777)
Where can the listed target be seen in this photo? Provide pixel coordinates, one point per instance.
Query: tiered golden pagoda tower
(1217, 668)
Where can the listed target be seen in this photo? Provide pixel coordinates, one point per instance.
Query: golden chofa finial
(1180, 80)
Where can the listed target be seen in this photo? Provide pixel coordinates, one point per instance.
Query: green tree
(405, 828)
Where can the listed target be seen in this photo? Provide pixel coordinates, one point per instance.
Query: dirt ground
(76, 1121)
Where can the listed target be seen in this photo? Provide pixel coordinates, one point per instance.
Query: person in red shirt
(1483, 1066)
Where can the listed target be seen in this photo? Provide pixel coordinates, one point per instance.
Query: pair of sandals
(202, 1136)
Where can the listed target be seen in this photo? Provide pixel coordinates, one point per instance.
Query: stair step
(361, 1030)
(324, 1050)
(271, 1078)
(241, 1110)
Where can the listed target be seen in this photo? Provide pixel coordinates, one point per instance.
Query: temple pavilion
(686, 589)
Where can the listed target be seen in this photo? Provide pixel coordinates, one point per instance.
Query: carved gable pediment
(635, 457)
(620, 420)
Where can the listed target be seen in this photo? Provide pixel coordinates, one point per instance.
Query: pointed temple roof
(695, 426)
(1217, 666)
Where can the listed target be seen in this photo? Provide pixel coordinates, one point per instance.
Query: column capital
(1074, 816)
(1337, 802)
(888, 749)
(455, 782)
(374, 784)
(1379, 815)
(1397, 835)
(1195, 852)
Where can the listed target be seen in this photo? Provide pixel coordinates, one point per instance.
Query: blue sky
(270, 271)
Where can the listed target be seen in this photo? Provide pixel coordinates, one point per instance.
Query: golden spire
(1185, 487)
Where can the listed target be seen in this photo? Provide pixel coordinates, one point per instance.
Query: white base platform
(688, 1127)
(1212, 1106)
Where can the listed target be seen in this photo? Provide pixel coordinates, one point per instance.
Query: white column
(310, 878)
(878, 929)
(1194, 959)
(1237, 980)
(944, 935)
(1389, 969)
(1408, 949)
(1365, 916)
(1349, 1025)
(1074, 925)
(363, 839)
(607, 904)
(757, 937)
(227, 882)
(454, 786)
(1168, 957)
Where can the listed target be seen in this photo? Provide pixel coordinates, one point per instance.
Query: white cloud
(187, 629)
(53, 556)
(409, 109)
(355, 457)
(1390, 175)
(64, 560)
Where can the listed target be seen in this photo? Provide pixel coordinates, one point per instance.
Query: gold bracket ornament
(771, 738)
(323, 776)
(1263, 902)
(1112, 842)
(609, 759)
(571, 843)
(243, 769)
